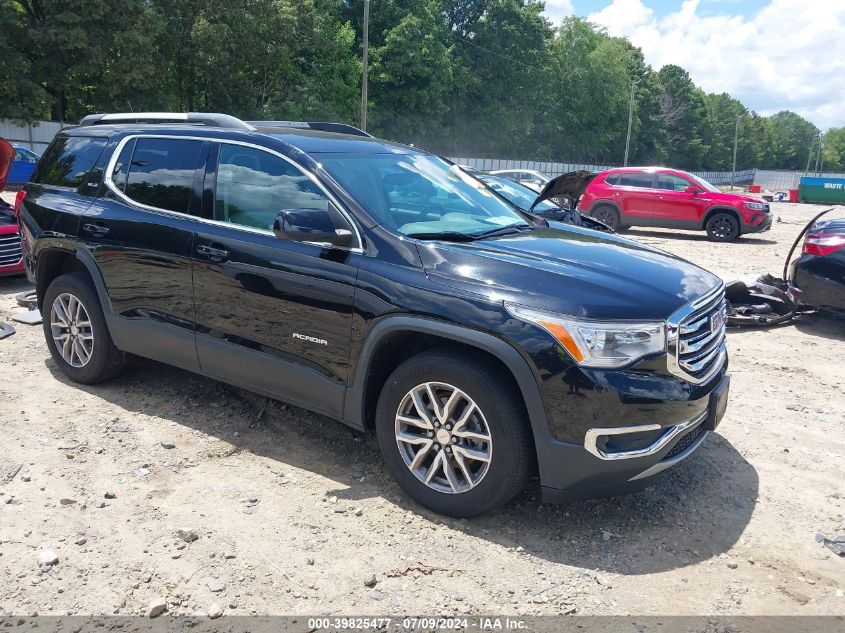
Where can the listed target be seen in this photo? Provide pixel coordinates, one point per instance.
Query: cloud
(556, 10)
(790, 54)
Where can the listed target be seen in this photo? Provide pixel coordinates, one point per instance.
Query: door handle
(95, 229)
(214, 254)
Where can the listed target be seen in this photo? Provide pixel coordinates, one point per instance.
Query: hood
(572, 271)
(734, 199)
(7, 155)
(569, 185)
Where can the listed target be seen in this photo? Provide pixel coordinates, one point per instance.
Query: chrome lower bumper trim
(592, 436)
(668, 463)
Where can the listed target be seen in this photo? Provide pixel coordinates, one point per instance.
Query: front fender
(529, 390)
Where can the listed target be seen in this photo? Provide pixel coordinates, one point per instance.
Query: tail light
(19, 197)
(823, 243)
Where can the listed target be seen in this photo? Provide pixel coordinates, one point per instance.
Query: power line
(497, 54)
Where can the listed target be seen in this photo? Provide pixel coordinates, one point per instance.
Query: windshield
(702, 183)
(520, 195)
(419, 193)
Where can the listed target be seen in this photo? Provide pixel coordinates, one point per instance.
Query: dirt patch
(294, 513)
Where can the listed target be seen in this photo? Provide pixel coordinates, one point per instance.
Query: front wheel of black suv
(454, 434)
(722, 227)
(76, 332)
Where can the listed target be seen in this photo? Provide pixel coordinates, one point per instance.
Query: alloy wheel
(723, 227)
(72, 330)
(606, 216)
(443, 437)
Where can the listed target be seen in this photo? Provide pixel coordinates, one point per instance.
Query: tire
(92, 358)
(480, 486)
(722, 227)
(608, 215)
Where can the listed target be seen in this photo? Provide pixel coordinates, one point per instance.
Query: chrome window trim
(109, 183)
(592, 435)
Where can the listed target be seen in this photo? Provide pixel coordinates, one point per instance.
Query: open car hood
(7, 155)
(570, 185)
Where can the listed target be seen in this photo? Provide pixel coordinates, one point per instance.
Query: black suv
(382, 286)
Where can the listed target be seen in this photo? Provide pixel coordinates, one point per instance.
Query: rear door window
(68, 160)
(161, 172)
(641, 181)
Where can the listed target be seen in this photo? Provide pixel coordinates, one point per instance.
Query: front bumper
(759, 222)
(605, 464)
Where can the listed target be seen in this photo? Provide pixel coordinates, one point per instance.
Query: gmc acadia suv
(381, 286)
(672, 199)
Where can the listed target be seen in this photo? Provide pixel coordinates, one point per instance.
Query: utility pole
(819, 154)
(366, 38)
(736, 141)
(630, 121)
(821, 151)
(810, 155)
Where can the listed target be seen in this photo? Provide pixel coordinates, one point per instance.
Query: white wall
(35, 136)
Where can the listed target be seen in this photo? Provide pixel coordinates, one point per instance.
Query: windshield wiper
(502, 230)
(450, 236)
(458, 236)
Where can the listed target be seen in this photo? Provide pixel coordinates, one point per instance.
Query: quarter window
(68, 160)
(161, 172)
(254, 185)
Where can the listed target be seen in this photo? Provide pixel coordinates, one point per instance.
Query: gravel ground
(294, 513)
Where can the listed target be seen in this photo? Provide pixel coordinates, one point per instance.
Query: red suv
(11, 255)
(672, 199)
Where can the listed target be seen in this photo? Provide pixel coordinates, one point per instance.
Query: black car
(526, 200)
(820, 271)
(381, 286)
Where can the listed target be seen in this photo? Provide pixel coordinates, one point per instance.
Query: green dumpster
(824, 190)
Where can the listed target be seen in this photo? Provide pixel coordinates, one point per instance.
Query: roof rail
(323, 126)
(197, 118)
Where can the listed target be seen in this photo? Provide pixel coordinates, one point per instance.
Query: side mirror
(692, 189)
(310, 225)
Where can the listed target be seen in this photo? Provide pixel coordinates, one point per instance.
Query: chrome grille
(696, 337)
(10, 249)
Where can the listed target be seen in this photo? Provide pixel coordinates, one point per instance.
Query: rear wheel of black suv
(454, 434)
(76, 332)
(722, 227)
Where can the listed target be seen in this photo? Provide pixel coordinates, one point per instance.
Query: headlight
(756, 206)
(598, 343)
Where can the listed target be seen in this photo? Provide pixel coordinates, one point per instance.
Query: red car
(11, 254)
(672, 199)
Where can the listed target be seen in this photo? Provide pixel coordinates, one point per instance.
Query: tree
(685, 117)
(833, 149)
(411, 74)
(84, 51)
(499, 55)
(583, 111)
(462, 77)
(792, 137)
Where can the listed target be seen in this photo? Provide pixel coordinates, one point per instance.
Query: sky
(772, 55)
